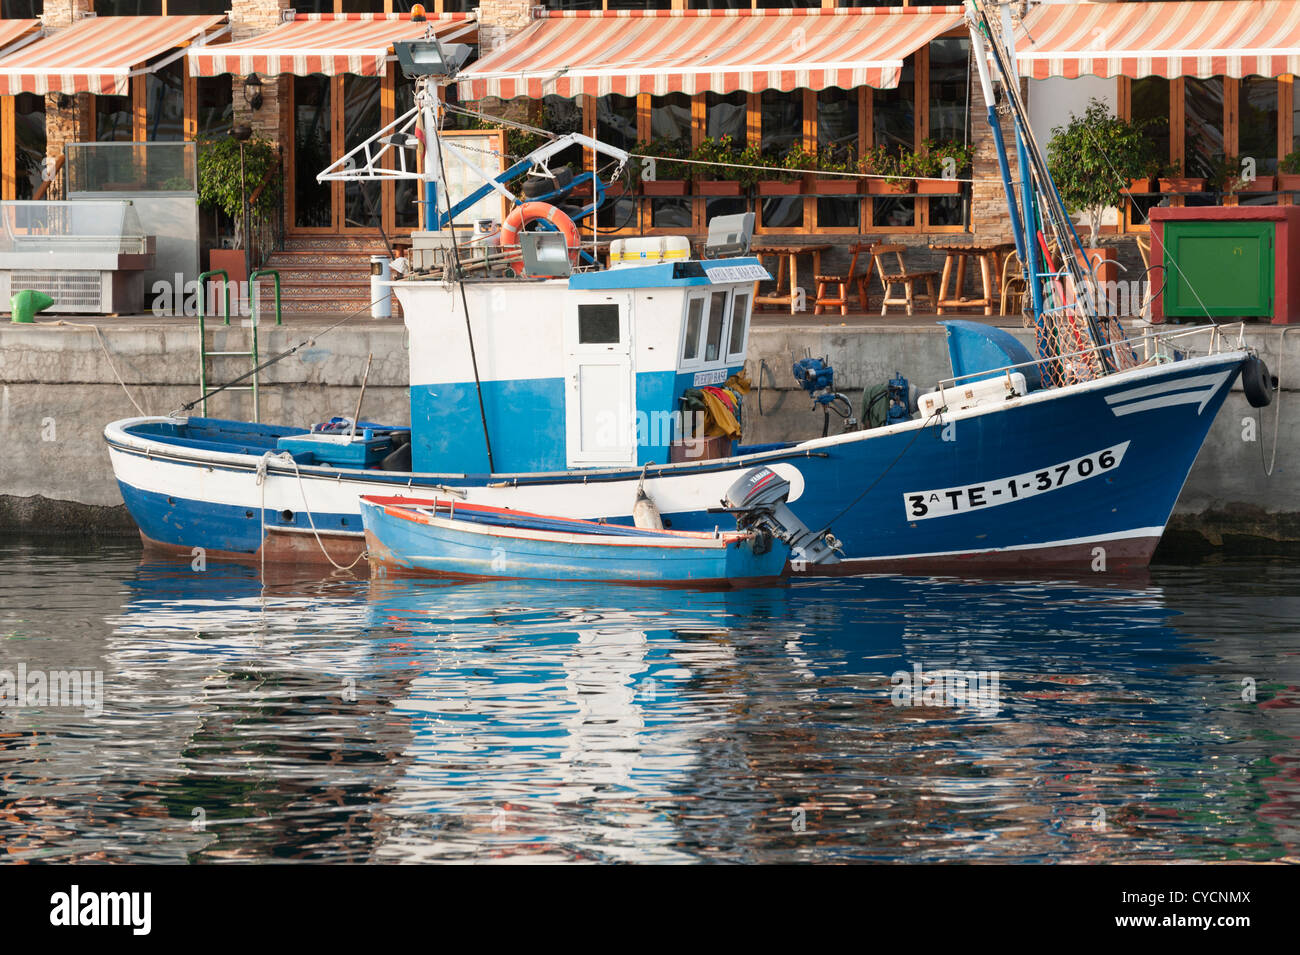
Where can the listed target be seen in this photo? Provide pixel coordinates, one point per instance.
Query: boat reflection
(407, 720)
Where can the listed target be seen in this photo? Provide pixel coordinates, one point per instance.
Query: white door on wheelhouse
(599, 397)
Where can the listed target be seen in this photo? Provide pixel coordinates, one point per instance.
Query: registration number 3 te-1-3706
(946, 501)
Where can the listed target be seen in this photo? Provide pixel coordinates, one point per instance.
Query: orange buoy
(531, 212)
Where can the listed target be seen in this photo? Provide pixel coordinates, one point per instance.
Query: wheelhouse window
(598, 325)
(694, 319)
(717, 318)
(739, 325)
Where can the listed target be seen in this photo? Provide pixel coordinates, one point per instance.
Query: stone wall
(249, 18)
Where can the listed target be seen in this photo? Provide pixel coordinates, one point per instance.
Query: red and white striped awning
(1199, 38)
(97, 54)
(693, 51)
(11, 31)
(332, 44)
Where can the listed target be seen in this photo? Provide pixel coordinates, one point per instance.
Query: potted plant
(834, 160)
(940, 166)
(1288, 172)
(1092, 158)
(726, 178)
(661, 176)
(786, 177)
(879, 161)
(220, 190)
(1146, 182)
(1172, 179)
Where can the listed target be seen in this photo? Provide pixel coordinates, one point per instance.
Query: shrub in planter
(729, 177)
(832, 161)
(670, 178)
(1171, 179)
(1092, 158)
(1288, 172)
(787, 172)
(879, 161)
(219, 185)
(939, 167)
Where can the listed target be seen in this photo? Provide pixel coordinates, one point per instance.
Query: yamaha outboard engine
(758, 499)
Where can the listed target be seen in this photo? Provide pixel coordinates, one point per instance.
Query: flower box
(1182, 184)
(1141, 185)
(1288, 181)
(663, 187)
(828, 186)
(1260, 184)
(717, 187)
(938, 187)
(775, 187)
(889, 187)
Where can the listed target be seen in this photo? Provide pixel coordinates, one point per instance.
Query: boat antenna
(445, 197)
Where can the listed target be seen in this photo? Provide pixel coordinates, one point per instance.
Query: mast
(1074, 301)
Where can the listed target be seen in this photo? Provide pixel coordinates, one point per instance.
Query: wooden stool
(842, 283)
(904, 278)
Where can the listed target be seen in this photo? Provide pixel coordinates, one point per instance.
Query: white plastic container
(973, 394)
(649, 251)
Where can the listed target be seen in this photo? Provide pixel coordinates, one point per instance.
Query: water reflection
(344, 720)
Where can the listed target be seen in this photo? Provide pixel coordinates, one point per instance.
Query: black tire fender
(1257, 382)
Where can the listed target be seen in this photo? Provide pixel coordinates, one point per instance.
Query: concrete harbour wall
(59, 387)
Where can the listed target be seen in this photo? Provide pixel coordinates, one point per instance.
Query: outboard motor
(758, 499)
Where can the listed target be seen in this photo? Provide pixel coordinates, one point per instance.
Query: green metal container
(1220, 268)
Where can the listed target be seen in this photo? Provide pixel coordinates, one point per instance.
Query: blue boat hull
(453, 548)
(1079, 478)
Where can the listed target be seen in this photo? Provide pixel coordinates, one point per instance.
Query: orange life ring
(532, 211)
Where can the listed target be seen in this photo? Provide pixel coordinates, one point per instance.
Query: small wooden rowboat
(455, 539)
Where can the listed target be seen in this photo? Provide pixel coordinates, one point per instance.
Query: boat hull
(400, 541)
(1077, 479)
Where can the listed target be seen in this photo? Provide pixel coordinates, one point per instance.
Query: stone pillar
(68, 118)
(989, 216)
(498, 21)
(250, 18)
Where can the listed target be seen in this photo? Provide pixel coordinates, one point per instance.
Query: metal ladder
(204, 354)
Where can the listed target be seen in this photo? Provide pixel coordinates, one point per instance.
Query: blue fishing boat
(545, 382)
(473, 541)
(444, 538)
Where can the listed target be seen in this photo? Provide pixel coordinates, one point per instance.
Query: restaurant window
(29, 135)
(616, 119)
(573, 5)
(639, 4)
(406, 192)
(20, 10)
(365, 6)
(670, 130)
(362, 201)
(949, 114)
(837, 143)
(780, 129)
(456, 6)
(311, 150)
(725, 115)
(894, 127)
(1257, 130)
(314, 6)
(165, 103)
(113, 119)
(1149, 106)
(215, 107)
(1203, 128)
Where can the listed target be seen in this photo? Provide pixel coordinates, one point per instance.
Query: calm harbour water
(348, 720)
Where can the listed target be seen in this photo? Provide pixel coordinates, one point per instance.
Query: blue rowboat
(455, 539)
